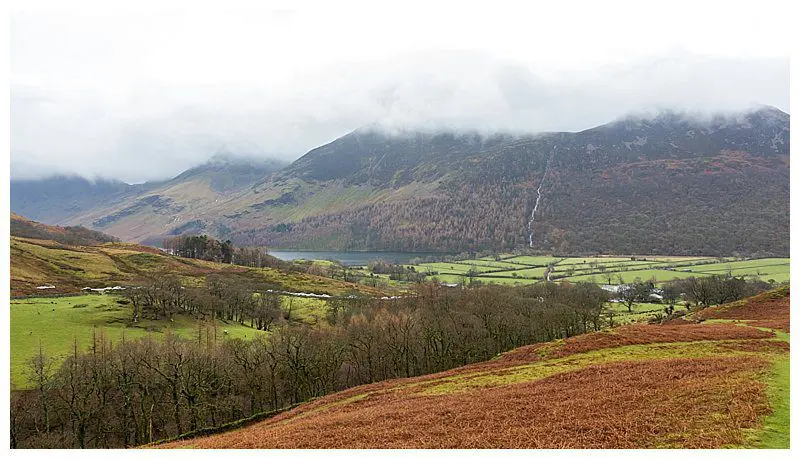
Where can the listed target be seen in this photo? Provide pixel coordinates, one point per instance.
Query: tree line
(207, 248)
(138, 391)
(694, 292)
(711, 290)
(253, 304)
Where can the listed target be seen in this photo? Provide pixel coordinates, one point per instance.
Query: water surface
(352, 258)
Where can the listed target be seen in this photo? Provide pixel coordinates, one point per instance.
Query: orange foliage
(662, 403)
(764, 310)
(690, 402)
(629, 335)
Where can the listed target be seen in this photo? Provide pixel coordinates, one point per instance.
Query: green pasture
(57, 323)
(641, 311)
(449, 268)
(307, 310)
(506, 280)
(532, 261)
(776, 273)
(756, 263)
(659, 269)
(494, 265)
(587, 260)
(582, 268)
(658, 275)
(502, 256)
(521, 273)
(449, 278)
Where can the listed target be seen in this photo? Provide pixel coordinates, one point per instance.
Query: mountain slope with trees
(670, 183)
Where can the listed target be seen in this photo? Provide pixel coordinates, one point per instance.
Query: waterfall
(538, 197)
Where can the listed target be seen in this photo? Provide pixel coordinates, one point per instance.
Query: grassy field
(505, 280)
(532, 261)
(718, 384)
(580, 266)
(642, 312)
(520, 269)
(767, 268)
(449, 278)
(501, 256)
(775, 432)
(629, 276)
(458, 279)
(462, 267)
(307, 310)
(775, 273)
(444, 268)
(752, 264)
(587, 260)
(494, 265)
(57, 323)
(537, 273)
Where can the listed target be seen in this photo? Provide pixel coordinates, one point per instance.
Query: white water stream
(538, 197)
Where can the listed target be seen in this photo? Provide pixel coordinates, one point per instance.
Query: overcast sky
(144, 92)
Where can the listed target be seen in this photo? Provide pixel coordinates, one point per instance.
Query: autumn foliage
(686, 401)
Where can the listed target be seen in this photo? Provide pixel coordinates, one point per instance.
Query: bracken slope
(706, 383)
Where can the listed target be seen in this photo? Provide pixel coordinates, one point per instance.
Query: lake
(353, 258)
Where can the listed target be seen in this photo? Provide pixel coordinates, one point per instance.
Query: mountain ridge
(673, 183)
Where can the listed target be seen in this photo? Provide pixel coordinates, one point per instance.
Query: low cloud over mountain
(135, 106)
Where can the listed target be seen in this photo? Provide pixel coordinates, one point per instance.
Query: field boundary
(205, 431)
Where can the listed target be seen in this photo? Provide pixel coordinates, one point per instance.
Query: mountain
(138, 212)
(668, 184)
(671, 183)
(225, 173)
(57, 199)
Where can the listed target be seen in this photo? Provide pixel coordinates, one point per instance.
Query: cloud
(138, 130)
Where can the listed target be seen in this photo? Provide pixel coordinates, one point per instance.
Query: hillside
(719, 379)
(138, 212)
(75, 235)
(666, 184)
(68, 269)
(54, 200)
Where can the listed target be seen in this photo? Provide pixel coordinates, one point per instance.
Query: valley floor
(522, 269)
(718, 379)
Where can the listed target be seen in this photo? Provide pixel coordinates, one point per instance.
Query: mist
(102, 114)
